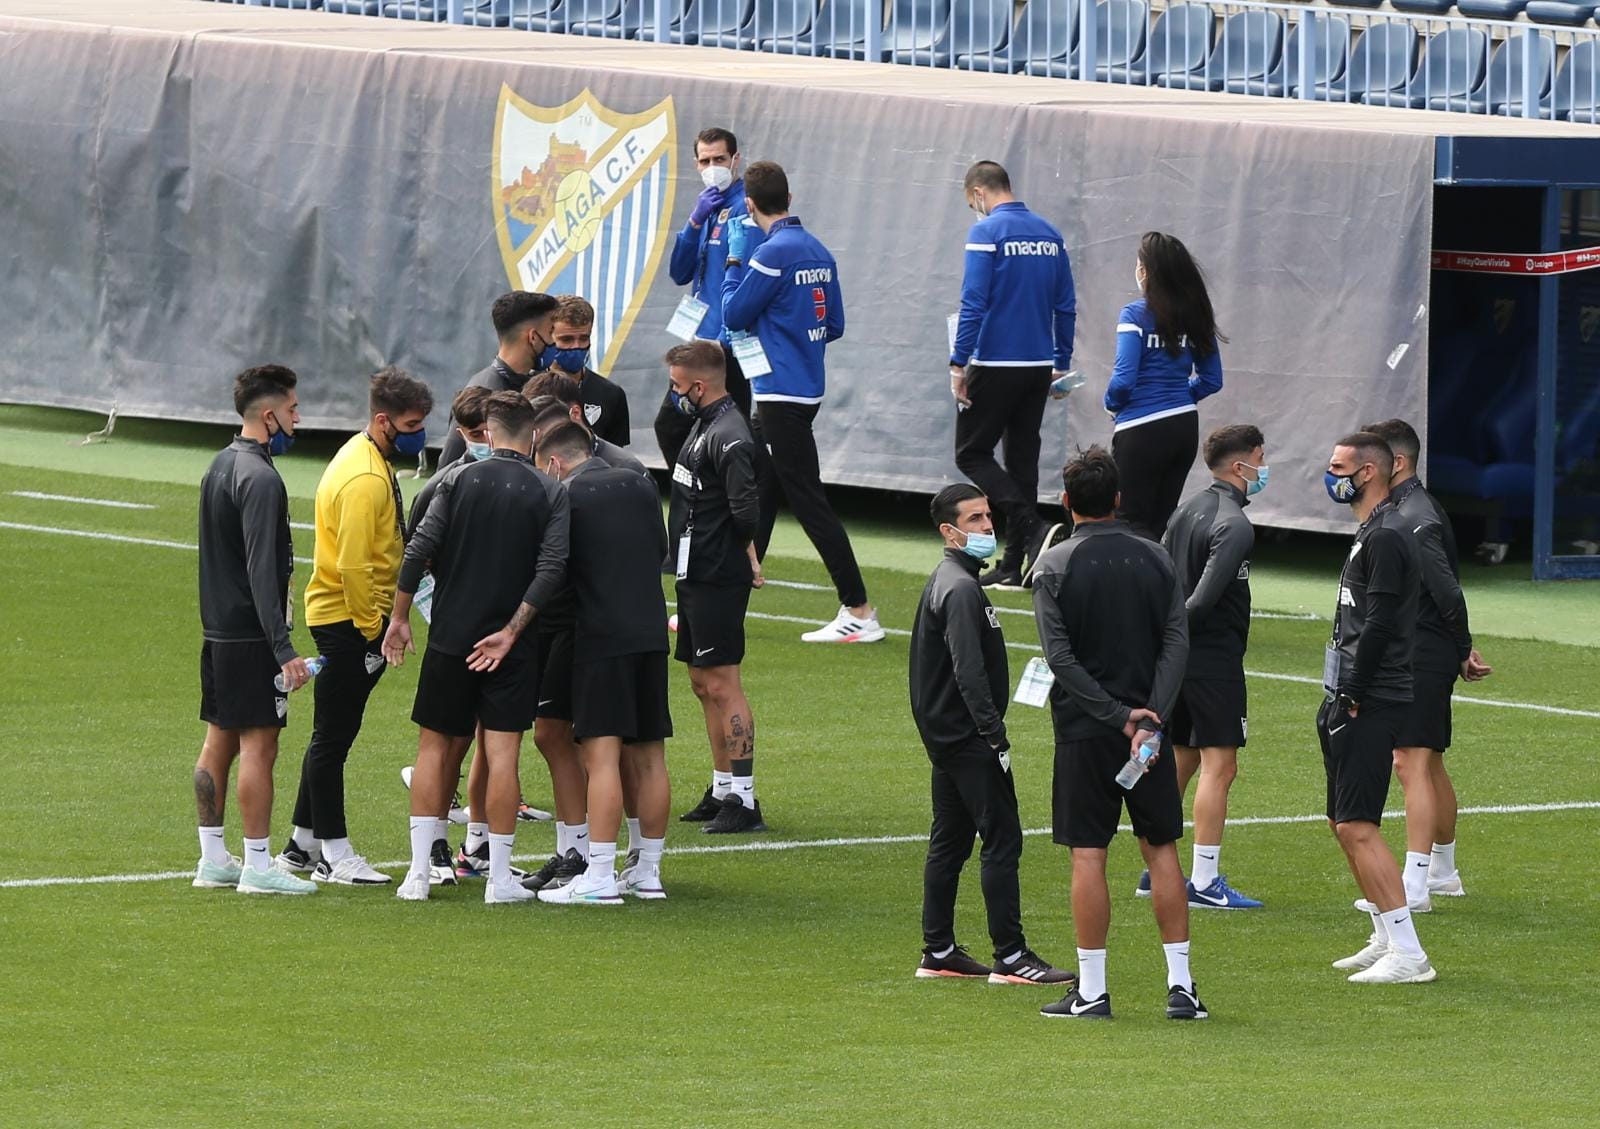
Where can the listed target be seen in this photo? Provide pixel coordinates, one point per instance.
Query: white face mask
(717, 176)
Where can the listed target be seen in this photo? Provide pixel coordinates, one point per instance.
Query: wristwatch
(1347, 703)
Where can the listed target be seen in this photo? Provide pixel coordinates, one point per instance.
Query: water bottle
(314, 665)
(1067, 382)
(1139, 763)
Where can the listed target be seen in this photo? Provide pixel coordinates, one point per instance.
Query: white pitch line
(758, 845)
(1307, 616)
(302, 525)
(1032, 648)
(75, 500)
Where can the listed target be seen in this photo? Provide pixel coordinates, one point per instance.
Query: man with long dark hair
(1167, 362)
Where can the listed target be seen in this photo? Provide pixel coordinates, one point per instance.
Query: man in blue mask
(959, 691)
(605, 405)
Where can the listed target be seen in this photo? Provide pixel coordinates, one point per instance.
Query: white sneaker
(353, 870)
(1448, 886)
(414, 888)
(214, 876)
(1396, 968)
(588, 889)
(1423, 906)
(1377, 948)
(846, 628)
(512, 894)
(254, 881)
(642, 882)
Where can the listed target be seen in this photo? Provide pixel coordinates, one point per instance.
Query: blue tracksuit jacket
(1018, 306)
(789, 297)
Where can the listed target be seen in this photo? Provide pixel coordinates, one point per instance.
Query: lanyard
(697, 452)
(394, 485)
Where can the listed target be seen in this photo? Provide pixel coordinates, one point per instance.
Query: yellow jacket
(359, 545)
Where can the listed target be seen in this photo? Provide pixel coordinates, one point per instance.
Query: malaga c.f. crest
(583, 204)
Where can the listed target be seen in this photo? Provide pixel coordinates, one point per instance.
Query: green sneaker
(218, 876)
(253, 881)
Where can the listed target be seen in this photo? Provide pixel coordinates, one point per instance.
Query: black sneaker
(1030, 968)
(294, 860)
(957, 963)
(441, 868)
(1184, 1003)
(558, 870)
(1074, 1006)
(735, 818)
(1053, 536)
(703, 812)
(1003, 577)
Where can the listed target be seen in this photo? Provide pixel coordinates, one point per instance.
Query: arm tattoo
(205, 799)
(524, 615)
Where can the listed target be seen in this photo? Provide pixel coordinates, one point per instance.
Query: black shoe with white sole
(558, 870)
(1002, 577)
(1074, 1006)
(1184, 1003)
(703, 812)
(735, 818)
(956, 964)
(1030, 968)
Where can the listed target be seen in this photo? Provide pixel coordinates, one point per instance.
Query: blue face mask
(410, 443)
(1251, 489)
(980, 545)
(567, 360)
(682, 402)
(478, 451)
(279, 442)
(1341, 488)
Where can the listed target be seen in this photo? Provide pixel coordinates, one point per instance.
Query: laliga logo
(582, 199)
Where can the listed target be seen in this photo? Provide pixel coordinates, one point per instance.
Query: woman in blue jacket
(1167, 362)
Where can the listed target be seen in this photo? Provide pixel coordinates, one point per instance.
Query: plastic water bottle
(1139, 763)
(1067, 382)
(314, 664)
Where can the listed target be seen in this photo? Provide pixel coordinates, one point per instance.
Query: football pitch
(774, 986)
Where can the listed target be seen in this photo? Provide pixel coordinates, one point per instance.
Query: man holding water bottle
(1114, 630)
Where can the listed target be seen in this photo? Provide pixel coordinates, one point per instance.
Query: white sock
(335, 849)
(563, 837)
(212, 848)
(650, 853)
(946, 951)
(441, 830)
(603, 861)
(304, 839)
(1442, 863)
(579, 833)
(634, 838)
(721, 785)
(421, 843)
(500, 858)
(256, 854)
(1380, 931)
(1403, 932)
(745, 788)
(477, 836)
(1091, 973)
(1178, 965)
(1415, 876)
(1207, 861)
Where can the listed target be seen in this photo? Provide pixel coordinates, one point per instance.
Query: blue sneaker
(1219, 895)
(1143, 889)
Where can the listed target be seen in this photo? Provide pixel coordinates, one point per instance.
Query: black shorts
(555, 675)
(236, 690)
(452, 699)
(1210, 714)
(1358, 757)
(1427, 724)
(711, 623)
(623, 696)
(1087, 800)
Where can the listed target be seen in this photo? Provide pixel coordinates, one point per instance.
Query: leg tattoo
(205, 798)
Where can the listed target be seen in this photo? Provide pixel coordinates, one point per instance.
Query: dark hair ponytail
(1175, 293)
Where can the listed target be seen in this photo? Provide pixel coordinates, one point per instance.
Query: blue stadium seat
(503, 13)
(975, 27)
(914, 25)
(1046, 37)
(1556, 12)
(1250, 49)
(1491, 9)
(1577, 85)
(353, 7)
(1180, 40)
(839, 31)
(303, 5)
(1118, 37)
(1329, 57)
(430, 11)
(1502, 90)
(560, 15)
(1361, 3)
(776, 19)
(625, 24)
(714, 17)
(1451, 68)
(1426, 7)
(1380, 61)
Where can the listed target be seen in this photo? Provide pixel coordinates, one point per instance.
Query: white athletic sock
(500, 858)
(1207, 861)
(1091, 973)
(212, 848)
(579, 833)
(257, 856)
(1380, 931)
(946, 951)
(304, 839)
(1178, 965)
(721, 785)
(336, 849)
(477, 836)
(745, 788)
(1402, 932)
(650, 851)
(603, 860)
(634, 839)
(441, 830)
(1442, 863)
(1415, 876)
(563, 837)
(421, 843)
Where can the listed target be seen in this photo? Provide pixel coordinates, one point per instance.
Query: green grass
(772, 988)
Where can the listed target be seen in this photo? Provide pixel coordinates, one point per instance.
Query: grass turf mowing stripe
(759, 845)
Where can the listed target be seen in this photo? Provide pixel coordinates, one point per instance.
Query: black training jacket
(1444, 636)
(1376, 618)
(618, 542)
(246, 556)
(714, 494)
(1210, 541)
(959, 678)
